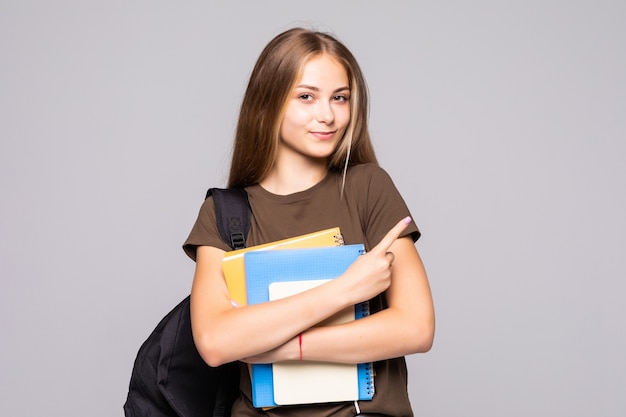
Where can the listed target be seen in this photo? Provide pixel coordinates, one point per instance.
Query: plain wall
(502, 124)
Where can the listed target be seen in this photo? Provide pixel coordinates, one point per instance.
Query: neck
(288, 177)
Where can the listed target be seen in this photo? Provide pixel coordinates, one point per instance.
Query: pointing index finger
(391, 236)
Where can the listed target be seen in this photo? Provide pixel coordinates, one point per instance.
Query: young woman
(303, 153)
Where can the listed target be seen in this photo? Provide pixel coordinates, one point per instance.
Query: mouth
(324, 135)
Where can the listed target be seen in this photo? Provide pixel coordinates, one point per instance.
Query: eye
(341, 98)
(305, 97)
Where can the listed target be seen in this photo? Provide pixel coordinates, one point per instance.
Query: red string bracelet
(300, 345)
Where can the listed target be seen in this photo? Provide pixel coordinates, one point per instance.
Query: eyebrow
(310, 87)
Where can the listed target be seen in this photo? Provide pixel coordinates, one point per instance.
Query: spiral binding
(339, 240)
(366, 370)
(369, 372)
(363, 309)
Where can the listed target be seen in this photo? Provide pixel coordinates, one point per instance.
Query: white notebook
(313, 382)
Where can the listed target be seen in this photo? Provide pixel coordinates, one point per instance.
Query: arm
(223, 333)
(406, 327)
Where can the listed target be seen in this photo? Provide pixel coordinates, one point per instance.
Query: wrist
(293, 349)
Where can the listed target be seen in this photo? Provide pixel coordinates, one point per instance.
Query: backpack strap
(233, 213)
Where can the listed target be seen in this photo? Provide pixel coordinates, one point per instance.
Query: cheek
(290, 127)
(343, 116)
(296, 118)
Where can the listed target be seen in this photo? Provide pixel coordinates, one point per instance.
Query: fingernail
(407, 220)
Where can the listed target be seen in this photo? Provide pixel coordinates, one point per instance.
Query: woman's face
(318, 111)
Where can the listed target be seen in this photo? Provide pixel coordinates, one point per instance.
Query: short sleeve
(380, 204)
(204, 231)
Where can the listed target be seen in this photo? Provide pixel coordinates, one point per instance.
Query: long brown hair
(273, 78)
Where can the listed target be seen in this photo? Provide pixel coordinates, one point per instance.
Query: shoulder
(204, 231)
(379, 203)
(368, 179)
(367, 171)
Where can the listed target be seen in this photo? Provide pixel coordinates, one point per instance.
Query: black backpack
(169, 378)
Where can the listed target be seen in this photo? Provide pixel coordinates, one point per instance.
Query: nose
(324, 112)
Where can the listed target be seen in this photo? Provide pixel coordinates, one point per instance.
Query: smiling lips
(324, 135)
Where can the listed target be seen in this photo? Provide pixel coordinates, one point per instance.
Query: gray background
(502, 123)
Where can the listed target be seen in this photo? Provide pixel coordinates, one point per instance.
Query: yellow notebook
(233, 265)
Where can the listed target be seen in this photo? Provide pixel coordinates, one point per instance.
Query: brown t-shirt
(369, 208)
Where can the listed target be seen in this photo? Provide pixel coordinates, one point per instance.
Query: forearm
(223, 333)
(406, 326)
(376, 337)
(380, 336)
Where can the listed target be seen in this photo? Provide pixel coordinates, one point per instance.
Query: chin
(322, 156)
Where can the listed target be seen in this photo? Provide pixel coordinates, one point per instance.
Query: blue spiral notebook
(271, 269)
